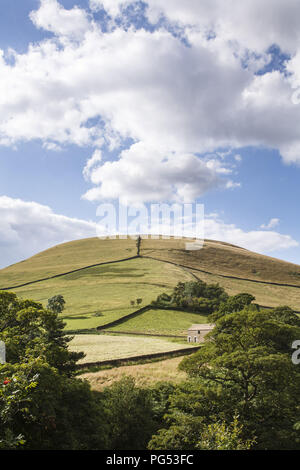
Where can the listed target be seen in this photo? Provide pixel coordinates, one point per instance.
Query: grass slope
(167, 322)
(144, 374)
(264, 294)
(102, 294)
(103, 347)
(66, 257)
(223, 258)
(98, 295)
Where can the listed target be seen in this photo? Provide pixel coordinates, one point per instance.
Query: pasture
(105, 347)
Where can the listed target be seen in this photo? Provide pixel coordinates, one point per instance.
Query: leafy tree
(129, 412)
(243, 368)
(249, 353)
(235, 303)
(42, 404)
(220, 436)
(194, 296)
(139, 301)
(56, 304)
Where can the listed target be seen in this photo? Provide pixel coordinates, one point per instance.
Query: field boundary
(124, 318)
(144, 334)
(115, 362)
(227, 276)
(186, 268)
(69, 272)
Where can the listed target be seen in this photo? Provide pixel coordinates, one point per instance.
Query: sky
(149, 102)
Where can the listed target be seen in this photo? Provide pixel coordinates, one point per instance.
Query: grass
(105, 348)
(168, 322)
(98, 295)
(66, 257)
(144, 374)
(102, 294)
(223, 258)
(271, 296)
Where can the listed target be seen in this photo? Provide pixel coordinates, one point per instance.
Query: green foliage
(129, 414)
(232, 304)
(220, 436)
(42, 405)
(194, 296)
(29, 330)
(56, 303)
(249, 354)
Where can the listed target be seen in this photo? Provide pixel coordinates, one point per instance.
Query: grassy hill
(67, 257)
(101, 294)
(224, 259)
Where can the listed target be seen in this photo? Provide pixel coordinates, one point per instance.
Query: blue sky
(149, 102)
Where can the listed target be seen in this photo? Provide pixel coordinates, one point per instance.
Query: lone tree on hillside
(138, 244)
(56, 304)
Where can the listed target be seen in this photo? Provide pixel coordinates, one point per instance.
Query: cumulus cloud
(256, 240)
(254, 24)
(271, 224)
(92, 165)
(152, 174)
(175, 101)
(51, 16)
(28, 227)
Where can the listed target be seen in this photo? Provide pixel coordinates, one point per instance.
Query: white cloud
(271, 224)
(252, 24)
(87, 87)
(255, 240)
(152, 174)
(28, 227)
(51, 16)
(92, 164)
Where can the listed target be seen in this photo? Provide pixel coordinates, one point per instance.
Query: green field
(145, 375)
(224, 258)
(104, 348)
(99, 295)
(102, 294)
(265, 294)
(66, 257)
(167, 322)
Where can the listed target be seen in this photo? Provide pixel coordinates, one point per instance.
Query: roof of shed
(202, 326)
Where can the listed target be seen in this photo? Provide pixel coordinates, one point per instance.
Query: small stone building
(196, 333)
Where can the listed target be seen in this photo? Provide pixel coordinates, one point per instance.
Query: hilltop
(100, 278)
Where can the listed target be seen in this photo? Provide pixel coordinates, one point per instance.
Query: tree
(138, 244)
(56, 303)
(243, 368)
(42, 404)
(232, 304)
(129, 412)
(139, 301)
(220, 436)
(249, 354)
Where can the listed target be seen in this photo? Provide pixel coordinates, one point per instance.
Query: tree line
(241, 390)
